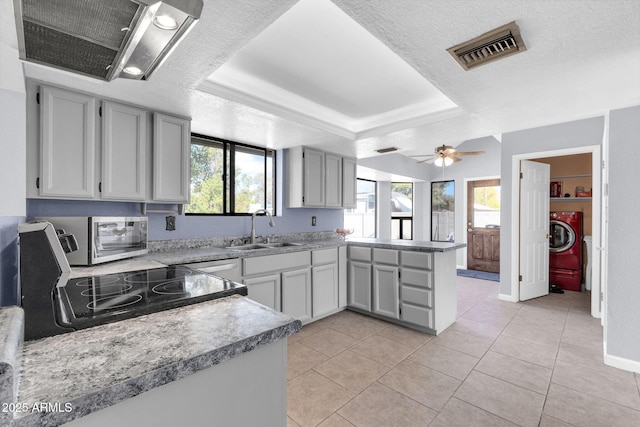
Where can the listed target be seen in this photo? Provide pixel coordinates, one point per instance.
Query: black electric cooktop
(90, 301)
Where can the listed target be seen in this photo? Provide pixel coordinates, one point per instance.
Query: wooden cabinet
(296, 294)
(67, 144)
(171, 159)
(124, 152)
(317, 179)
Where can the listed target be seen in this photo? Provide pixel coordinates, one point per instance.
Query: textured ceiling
(582, 59)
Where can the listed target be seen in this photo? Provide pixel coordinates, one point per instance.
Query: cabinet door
(296, 294)
(333, 181)
(171, 159)
(314, 176)
(124, 143)
(349, 175)
(67, 144)
(385, 291)
(324, 282)
(265, 290)
(359, 285)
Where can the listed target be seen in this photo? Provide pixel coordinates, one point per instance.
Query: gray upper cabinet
(171, 158)
(124, 150)
(333, 181)
(67, 144)
(349, 175)
(316, 179)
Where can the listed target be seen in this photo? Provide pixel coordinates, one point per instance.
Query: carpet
(482, 275)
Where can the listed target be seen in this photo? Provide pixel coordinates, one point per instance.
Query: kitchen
(580, 124)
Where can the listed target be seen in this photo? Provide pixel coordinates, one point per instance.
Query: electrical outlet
(171, 223)
(313, 221)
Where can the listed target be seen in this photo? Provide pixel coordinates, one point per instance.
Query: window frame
(402, 218)
(375, 198)
(228, 174)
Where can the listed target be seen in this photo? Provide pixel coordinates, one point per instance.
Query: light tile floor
(537, 363)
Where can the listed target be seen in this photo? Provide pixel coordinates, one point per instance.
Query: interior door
(483, 225)
(534, 229)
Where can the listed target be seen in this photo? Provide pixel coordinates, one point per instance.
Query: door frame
(597, 286)
(465, 206)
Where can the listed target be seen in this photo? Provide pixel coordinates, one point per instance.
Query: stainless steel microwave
(103, 238)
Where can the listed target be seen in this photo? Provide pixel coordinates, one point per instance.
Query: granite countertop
(407, 245)
(90, 369)
(212, 253)
(11, 334)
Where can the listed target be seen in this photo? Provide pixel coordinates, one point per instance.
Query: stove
(90, 301)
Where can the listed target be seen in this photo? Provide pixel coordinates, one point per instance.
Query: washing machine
(565, 250)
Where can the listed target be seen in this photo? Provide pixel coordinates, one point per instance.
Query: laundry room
(570, 221)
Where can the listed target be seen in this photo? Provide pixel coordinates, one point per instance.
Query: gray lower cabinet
(265, 290)
(325, 289)
(414, 288)
(296, 294)
(385, 291)
(359, 288)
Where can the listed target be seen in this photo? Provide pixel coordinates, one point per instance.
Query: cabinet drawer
(417, 315)
(386, 256)
(423, 260)
(357, 253)
(419, 278)
(275, 263)
(324, 256)
(417, 296)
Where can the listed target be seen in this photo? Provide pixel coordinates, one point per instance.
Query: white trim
(308, 113)
(596, 202)
(621, 363)
(509, 298)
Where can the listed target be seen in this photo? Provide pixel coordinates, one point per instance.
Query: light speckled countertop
(407, 245)
(94, 368)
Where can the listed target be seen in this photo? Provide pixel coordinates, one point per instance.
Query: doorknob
(549, 236)
(469, 230)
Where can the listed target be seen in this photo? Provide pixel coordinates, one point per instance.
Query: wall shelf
(570, 199)
(585, 175)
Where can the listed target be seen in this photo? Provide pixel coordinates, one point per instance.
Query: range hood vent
(104, 39)
(496, 44)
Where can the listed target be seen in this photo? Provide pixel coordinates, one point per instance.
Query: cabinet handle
(38, 182)
(100, 187)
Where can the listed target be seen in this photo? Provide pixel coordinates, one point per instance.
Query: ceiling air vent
(495, 44)
(387, 150)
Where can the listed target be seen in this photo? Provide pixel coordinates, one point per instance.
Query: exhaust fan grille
(499, 43)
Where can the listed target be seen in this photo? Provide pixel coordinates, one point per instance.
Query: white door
(296, 294)
(534, 228)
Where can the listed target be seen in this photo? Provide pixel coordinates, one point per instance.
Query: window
(443, 211)
(362, 219)
(229, 178)
(402, 210)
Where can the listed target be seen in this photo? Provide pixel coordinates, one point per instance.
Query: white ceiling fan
(445, 155)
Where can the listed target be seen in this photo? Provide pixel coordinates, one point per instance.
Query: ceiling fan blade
(431, 160)
(422, 155)
(455, 158)
(468, 153)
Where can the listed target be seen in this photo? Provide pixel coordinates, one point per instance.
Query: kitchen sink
(280, 245)
(250, 247)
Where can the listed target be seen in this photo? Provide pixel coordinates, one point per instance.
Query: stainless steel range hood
(104, 39)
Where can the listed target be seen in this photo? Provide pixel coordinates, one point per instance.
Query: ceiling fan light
(448, 161)
(438, 162)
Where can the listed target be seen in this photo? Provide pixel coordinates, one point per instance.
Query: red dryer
(565, 250)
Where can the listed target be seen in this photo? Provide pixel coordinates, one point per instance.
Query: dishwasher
(226, 268)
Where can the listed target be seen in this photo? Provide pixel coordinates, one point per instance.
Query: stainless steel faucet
(253, 223)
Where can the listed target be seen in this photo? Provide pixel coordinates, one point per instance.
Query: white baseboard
(505, 297)
(622, 363)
